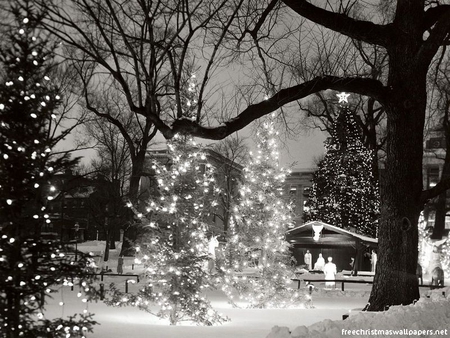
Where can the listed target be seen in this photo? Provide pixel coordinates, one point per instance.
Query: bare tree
(113, 154)
(333, 53)
(411, 39)
(147, 51)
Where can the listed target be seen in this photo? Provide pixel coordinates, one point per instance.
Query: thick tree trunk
(130, 233)
(441, 212)
(395, 280)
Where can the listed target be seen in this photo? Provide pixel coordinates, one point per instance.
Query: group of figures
(329, 268)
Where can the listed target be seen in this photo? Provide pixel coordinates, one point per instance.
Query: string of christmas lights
(445, 260)
(426, 246)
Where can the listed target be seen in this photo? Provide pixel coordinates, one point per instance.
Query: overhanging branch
(439, 188)
(368, 87)
(356, 29)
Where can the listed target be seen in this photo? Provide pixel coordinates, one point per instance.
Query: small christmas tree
(257, 233)
(344, 192)
(445, 259)
(175, 249)
(31, 268)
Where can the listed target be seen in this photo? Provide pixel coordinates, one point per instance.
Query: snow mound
(431, 314)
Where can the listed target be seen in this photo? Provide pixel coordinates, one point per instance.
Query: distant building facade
(71, 210)
(433, 164)
(298, 184)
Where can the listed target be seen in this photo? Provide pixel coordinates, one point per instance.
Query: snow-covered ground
(429, 317)
(244, 323)
(324, 320)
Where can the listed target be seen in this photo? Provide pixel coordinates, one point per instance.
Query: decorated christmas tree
(178, 219)
(445, 259)
(432, 253)
(31, 268)
(344, 192)
(174, 250)
(258, 266)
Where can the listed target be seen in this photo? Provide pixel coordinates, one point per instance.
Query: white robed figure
(320, 263)
(373, 260)
(213, 244)
(330, 273)
(308, 260)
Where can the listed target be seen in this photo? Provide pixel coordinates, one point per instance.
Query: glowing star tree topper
(343, 97)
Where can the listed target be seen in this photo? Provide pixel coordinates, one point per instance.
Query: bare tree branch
(361, 86)
(356, 29)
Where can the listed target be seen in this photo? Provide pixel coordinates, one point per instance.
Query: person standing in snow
(213, 244)
(120, 265)
(308, 260)
(374, 260)
(320, 263)
(330, 272)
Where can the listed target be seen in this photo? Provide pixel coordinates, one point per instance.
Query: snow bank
(431, 314)
(338, 293)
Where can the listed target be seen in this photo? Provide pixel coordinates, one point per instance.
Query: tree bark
(395, 280)
(129, 236)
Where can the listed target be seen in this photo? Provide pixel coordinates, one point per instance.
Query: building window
(293, 190)
(432, 176)
(447, 222)
(306, 191)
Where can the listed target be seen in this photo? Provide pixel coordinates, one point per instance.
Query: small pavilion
(331, 241)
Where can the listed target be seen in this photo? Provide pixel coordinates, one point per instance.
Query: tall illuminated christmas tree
(174, 250)
(31, 268)
(177, 218)
(261, 219)
(344, 192)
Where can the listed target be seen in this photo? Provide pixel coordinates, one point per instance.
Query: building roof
(309, 227)
(161, 151)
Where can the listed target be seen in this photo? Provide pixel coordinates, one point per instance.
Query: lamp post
(76, 227)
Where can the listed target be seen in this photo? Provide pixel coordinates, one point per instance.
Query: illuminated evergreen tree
(344, 192)
(174, 250)
(177, 218)
(261, 219)
(31, 268)
(446, 257)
